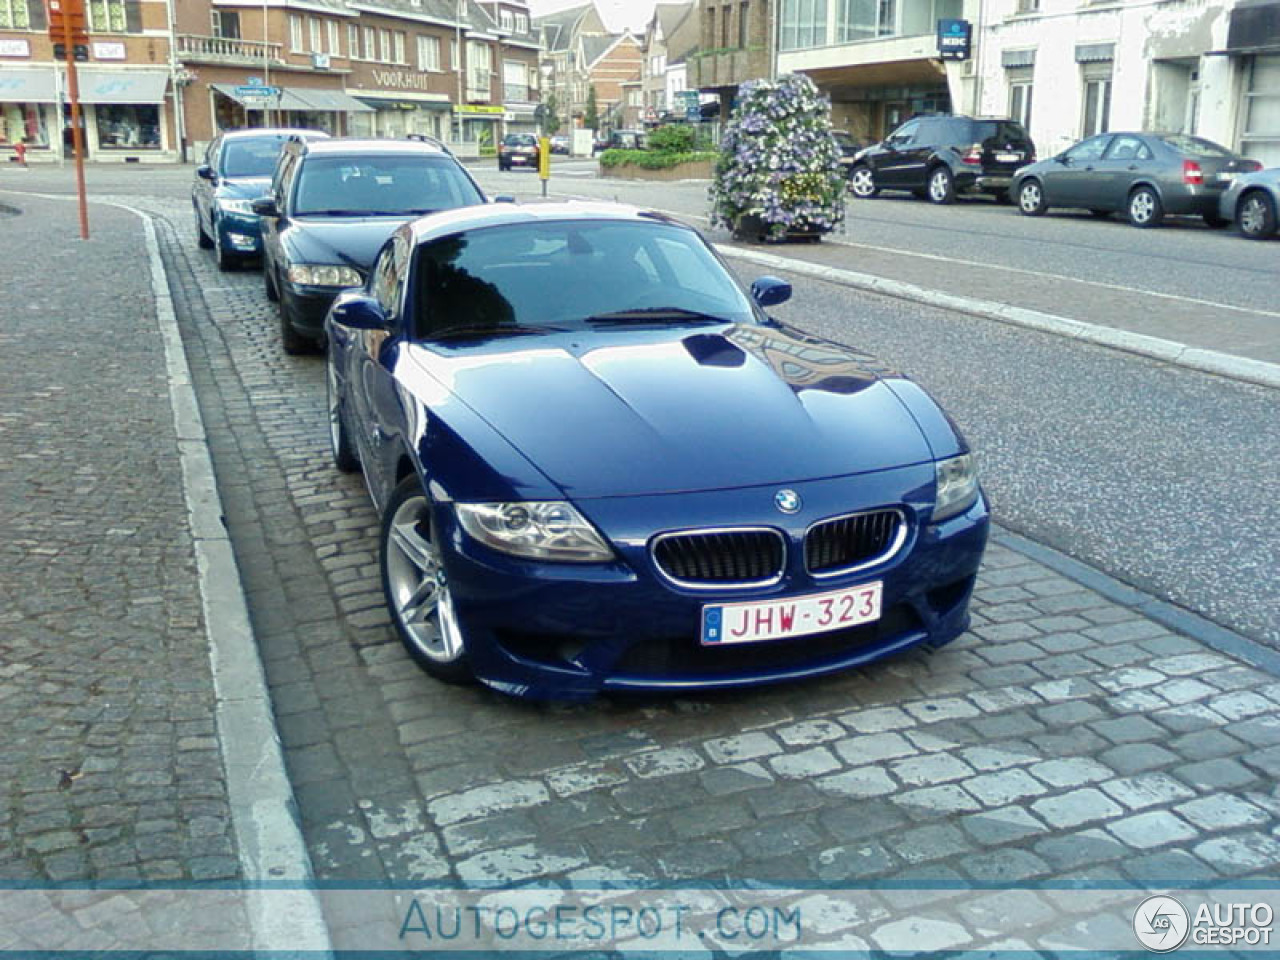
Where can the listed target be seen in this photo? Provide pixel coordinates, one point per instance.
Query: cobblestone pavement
(109, 764)
(1066, 738)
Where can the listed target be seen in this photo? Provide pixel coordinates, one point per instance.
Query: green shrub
(672, 138)
(651, 159)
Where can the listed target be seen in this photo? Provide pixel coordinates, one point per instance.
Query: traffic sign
(257, 92)
(67, 16)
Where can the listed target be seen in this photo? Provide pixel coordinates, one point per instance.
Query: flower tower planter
(779, 173)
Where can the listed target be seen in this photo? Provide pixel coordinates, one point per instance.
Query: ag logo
(788, 501)
(1161, 924)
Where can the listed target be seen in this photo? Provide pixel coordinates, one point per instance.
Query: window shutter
(133, 16)
(36, 15)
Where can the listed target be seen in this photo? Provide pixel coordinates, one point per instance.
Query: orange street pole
(77, 139)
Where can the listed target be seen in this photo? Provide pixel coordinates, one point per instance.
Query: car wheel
(1031, 198)
(226, 259)
(942, 188)
(416, 588)
(862, 182)
(269, 283)
(1100, 214)
(1145, 208)
(295, 344)
(1256, 215)
(344, 454)
(202, 238)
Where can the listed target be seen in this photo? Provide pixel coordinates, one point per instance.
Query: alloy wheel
(417, 586)
(1030, 197)
(1253, 215)
(940, 185)
(1142, 207)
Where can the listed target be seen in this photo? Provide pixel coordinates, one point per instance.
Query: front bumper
(239, 233)
(564, 631)
(307, 307)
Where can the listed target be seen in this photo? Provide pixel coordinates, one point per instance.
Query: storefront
(332, 111)
(126, 116)
(28, 112)
(1254, 43)
(398, 115)
(479, 125)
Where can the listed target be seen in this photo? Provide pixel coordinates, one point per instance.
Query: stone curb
(1169, 351)
(263, 810)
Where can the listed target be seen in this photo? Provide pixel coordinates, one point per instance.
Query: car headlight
(538, 530)
(957, 483)
(321, 275)
(235, 205)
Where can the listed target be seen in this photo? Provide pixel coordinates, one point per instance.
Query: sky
(617, 14)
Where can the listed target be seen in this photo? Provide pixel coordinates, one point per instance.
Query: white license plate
(725, 623)
(1226, 177)
(1008, 157)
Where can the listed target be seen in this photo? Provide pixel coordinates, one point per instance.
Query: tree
(779, 167)
(551, 114)
(591, 119)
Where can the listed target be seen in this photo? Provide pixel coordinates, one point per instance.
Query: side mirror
(359, 312)
(265, 207)
(1063, 159)
(205, 172)
(770, 291)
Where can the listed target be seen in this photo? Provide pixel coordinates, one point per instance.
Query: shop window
(23, 122)
(14, 15)
(128, 127)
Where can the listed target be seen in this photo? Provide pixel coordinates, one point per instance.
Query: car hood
(633, 412)
(354, 241)
(244, 188)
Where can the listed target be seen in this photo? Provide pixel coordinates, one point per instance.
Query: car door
(893, 159)
(1070, 179)
(204, 188)
(373, 356)
(1127, 158)
(281, 192)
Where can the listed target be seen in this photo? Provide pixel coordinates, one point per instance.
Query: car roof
(448, 222)
(253, 132)
(350, 145)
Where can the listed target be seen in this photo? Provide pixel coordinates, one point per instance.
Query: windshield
(251, 157)
(1002, 131)
(382, 185)
(1195, 146)
(573, 275)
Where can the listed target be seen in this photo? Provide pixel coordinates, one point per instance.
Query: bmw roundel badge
(788, 501)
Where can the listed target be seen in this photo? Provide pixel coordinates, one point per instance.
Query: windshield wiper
(505, 330)
(655, 315)
(334, 213)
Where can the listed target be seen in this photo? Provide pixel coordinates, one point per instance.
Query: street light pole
(458, 14)
(266, 64)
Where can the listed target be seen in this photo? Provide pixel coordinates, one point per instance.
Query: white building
(1183, 66)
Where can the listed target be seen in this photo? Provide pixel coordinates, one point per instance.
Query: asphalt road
(1159, 476)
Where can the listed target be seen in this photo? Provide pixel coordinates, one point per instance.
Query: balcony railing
(227, 50)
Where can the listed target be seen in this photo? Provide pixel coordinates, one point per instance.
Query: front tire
(1145, 209)
(1031, 201)
(203, 241)
(227, 261)
(942, 187)
(344, 454)
(295, 344)
(267, 273)
(1256, 216)
(416, 588)
(862, 182)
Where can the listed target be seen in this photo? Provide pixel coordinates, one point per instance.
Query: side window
(1091, 149)
(389, 276)
(905, 133)
(1127, 148)
(283, 178)
(211, 153)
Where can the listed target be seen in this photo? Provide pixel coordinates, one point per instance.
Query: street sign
(692, 104)
(955, 39)
(67, 16)
(257, 92)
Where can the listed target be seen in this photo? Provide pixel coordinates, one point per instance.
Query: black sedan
(332, 205)
(1144, 175)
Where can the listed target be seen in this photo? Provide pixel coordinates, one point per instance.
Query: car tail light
(1191, 172)
(974, 155)
(1250, 166)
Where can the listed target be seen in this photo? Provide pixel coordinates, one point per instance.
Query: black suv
(331, 207)
(939, 157)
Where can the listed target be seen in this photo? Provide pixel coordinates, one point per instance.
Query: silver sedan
(1252, 201)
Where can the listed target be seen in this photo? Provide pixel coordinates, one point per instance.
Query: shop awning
(325, 101)
(1255, 27)
(27, 86)
(122, 86)
(389, 103)
(862, 81)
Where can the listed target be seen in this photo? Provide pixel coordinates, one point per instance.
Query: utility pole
(266, 64)
(460, 12)
(179, 116)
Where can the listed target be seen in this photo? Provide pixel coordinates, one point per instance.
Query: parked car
(332, 205)
(1144, 175)
(518, 150)
(560, 144)
(626, 140)
(939, 157)
(236, 171)
(1252, 201)
(641, 484)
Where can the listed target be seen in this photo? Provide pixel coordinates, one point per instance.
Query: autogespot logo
(788, 501)
(1161, 924)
